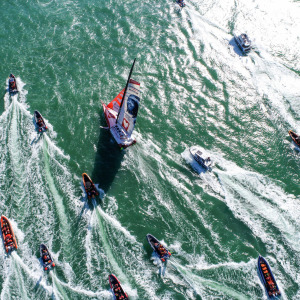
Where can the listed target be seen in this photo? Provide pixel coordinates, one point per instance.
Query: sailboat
(121, 113)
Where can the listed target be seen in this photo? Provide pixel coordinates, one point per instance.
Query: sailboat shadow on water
(108, 159)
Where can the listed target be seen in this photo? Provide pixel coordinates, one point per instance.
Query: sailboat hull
(117, 131)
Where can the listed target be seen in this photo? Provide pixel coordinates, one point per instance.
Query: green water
(197, 89)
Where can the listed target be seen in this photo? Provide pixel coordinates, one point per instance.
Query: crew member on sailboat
(121, 113)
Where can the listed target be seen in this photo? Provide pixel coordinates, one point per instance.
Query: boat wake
(36, 189)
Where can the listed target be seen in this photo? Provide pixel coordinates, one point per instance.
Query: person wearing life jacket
(162, 250)
(88, 187)
(40, 122)
(12, 81)
(46, 258)
(8, 238)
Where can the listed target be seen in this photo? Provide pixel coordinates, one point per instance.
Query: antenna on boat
(125, 89)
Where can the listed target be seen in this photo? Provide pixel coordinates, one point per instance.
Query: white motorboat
(243, 42)
(200, 158)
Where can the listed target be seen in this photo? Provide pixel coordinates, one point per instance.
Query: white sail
(129, 109)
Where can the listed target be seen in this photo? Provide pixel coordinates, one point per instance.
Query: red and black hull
(295, 137)
(117, 288)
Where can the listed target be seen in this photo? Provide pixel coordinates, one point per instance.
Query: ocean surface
(197, 90)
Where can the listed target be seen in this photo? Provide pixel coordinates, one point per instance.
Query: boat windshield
(199, 158)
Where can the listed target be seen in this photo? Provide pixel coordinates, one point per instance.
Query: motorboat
(267, 278)
(8, 235)
(39, 121)
(12, 84)
(203, 160)
(89, 186)
(47, 260)
(160, 250)
(243, 42)
(180, 3)
(295, 137)
(117, 288)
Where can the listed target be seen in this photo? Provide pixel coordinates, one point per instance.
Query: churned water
(197, 89)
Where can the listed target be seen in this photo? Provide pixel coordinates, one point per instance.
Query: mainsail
(129, 109)
(121, 113)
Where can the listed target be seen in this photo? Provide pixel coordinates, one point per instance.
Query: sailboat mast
(125, 89)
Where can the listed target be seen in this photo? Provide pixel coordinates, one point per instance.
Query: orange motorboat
(90, 189)
(8, 235)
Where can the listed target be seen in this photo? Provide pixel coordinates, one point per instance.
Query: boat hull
(294, 137)
(181, 4)
(200, 160)
(39, 121)
(12, 85)
(118, 133)
(245, 50)
(155, 244)
(267, 278)
(116, 287)
(9, 239)
(46, 258)
(91, 191)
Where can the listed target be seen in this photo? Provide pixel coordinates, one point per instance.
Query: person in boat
(8, 240)
(117, 291)
(12, 81)
(40, 122)
(89, 188)
(46, 257)
(88, 185)
(162, 250)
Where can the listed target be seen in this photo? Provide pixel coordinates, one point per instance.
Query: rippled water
(197, 89)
